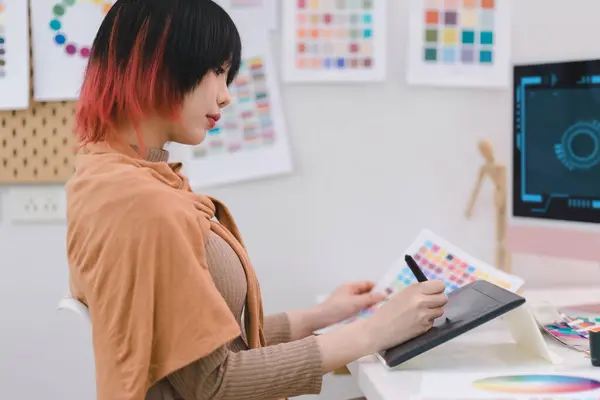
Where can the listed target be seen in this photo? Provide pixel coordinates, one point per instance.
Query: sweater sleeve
(277, 329)
(272, 372)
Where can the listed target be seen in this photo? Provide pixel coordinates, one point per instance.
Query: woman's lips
(212, 119)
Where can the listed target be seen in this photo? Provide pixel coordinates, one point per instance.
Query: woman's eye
(219, 71)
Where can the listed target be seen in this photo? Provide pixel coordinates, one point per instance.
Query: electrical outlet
(37, 204)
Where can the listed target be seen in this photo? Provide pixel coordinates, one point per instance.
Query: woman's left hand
(347, 300)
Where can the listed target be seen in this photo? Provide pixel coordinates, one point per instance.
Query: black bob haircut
(147, 55)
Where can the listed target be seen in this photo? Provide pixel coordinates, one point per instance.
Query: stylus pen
(412, 264)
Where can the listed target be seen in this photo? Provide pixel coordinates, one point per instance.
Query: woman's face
(201, 109)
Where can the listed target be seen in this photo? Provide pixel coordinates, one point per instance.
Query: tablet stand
(527, 335)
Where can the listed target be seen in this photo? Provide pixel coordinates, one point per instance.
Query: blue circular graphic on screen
(580, 146)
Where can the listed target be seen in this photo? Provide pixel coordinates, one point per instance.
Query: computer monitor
(554, 199)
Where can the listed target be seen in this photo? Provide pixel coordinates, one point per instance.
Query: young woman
(163, 270)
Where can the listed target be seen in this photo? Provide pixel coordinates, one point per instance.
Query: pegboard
(37, 145)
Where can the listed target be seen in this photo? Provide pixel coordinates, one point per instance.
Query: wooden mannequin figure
(497, 173)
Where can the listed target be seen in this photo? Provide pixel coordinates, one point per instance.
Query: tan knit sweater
(282, 369)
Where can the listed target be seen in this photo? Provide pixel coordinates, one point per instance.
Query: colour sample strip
(2, 41)
(246, 123)
(335, 34)
(459, 32)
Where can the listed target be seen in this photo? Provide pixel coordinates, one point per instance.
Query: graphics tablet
(468, 307)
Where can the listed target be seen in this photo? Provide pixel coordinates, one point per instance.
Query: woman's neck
(153, 135)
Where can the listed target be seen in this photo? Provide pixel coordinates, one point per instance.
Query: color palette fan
(537, 384)
(582, 325)
(563, 333)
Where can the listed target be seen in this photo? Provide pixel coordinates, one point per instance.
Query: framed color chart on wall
(62, 34)
(460, 43)
(250, 141)
(334, 40)
(14, 55)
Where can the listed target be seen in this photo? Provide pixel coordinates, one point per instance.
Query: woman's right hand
(403, 317)
(407, 314)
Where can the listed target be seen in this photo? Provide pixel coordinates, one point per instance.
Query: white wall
(374, 165)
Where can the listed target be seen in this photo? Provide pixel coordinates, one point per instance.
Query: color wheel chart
(334, 40)
(61, 37)
(2, 41)
(246, 123)
(459, 42)
(62, 33)
(573, 385)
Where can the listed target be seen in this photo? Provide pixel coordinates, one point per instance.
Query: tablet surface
(468, 307)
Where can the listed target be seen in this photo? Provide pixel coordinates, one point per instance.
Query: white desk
(378, 383)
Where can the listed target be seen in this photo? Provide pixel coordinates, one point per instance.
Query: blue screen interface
(556, 146)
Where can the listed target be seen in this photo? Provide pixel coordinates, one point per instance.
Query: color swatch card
(250, 140)
(512, 383)
(14, 55)
(334, 40)
(460, 43)
(62, 34)
(439, 260)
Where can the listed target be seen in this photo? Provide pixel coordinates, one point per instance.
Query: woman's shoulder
(125, 193)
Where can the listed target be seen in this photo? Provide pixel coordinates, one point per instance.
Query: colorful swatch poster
(250, 139)
(14, 55)
(247, 123)
(334, 40)
(460, 43)
(62, 34)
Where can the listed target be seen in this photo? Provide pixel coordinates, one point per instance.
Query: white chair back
(74, 305)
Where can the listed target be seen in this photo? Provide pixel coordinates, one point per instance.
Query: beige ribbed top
(233, 372)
